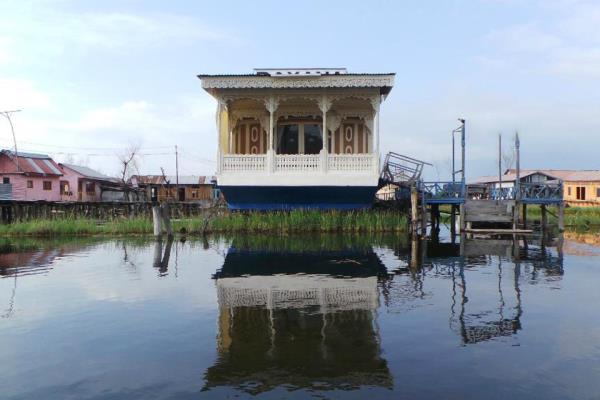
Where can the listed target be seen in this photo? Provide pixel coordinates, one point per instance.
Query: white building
(272, 153)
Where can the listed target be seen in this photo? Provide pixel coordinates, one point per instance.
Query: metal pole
(12, 129)
(518, 155)
(500, 162)
(176, 168)
(462, 142)
(453, 162)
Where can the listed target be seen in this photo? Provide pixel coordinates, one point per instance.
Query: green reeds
(296, 221)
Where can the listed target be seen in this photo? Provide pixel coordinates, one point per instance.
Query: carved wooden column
(272, 103)
(324, 106)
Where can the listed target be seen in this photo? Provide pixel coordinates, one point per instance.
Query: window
(90, 187)
(29, 184)
(64, 187)
(598, 192)
(47, 185)
(580, 192)
(6, 180)
(569, 190)
(313, 140)
(194, 194)
(287, 139)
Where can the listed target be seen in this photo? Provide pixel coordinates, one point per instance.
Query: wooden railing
(242, 163)
(297, 162)
(350, 162)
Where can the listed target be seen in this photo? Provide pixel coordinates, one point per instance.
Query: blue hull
(295, 197)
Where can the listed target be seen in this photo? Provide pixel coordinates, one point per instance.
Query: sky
(94, 78)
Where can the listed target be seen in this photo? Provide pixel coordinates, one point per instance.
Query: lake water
(297, 317)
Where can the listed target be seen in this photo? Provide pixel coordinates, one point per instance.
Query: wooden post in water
(414, 217)
(524, 216)
(166, 218)
(561, 216)
(156, 220)
(453, 222)
(544, 217)
(423, 216)
(462, 218)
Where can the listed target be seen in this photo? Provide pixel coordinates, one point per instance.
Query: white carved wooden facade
(294, 129)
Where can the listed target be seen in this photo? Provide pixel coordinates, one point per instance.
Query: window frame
(47, 185)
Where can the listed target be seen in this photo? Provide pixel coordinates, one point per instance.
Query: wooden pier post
(561, 216)
(156, 220)
(516, 215)
(423, 218)
(524, 216)
(453, 222)
(463, 222)
(544, 217)
(166, 218)
(414, 217)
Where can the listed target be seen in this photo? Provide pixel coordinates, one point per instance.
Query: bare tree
(508, 155)
(129, 160)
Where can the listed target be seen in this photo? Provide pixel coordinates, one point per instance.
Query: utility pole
(7, 114)
(177, 171)
(500, 163)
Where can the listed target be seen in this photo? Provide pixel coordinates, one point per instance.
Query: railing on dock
(456, 193)
(442, 192)
(541, 193)
(398, 168)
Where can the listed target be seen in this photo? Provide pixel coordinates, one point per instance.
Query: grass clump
(296, 221)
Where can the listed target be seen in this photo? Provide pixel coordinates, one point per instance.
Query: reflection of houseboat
(298, 330)
(291, 138)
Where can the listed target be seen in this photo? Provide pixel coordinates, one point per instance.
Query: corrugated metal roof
(560, 174)
(172, 179)
(32, 163)
(88, 172)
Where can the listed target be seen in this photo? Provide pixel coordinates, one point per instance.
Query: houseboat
(298, 138)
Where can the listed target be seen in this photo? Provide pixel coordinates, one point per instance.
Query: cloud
(21, 93)
(568, 45)
(60, 31)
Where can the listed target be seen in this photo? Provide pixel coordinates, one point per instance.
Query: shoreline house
(581, 188)
(80, 183)
(186, 188)
(298, 138)
(29, 176)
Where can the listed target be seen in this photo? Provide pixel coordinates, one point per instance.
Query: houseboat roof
(298, 78)
(33, 163)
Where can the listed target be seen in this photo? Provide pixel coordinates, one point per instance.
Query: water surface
(298, 317)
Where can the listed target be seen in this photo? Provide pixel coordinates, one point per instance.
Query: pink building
(81, 183)
(29, 177)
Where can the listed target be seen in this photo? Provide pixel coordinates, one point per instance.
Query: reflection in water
(479, 319)
(301, 318)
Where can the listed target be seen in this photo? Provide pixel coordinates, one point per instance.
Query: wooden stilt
(516, 216)
(414, 218)
(462, 218)
(156, 220)
(561, 217)
(544, 217)
(166, 218)
(453, 223)
(524, 216)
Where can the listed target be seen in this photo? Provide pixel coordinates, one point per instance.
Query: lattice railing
(244, 162)
(297, 162)
(350, 162)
